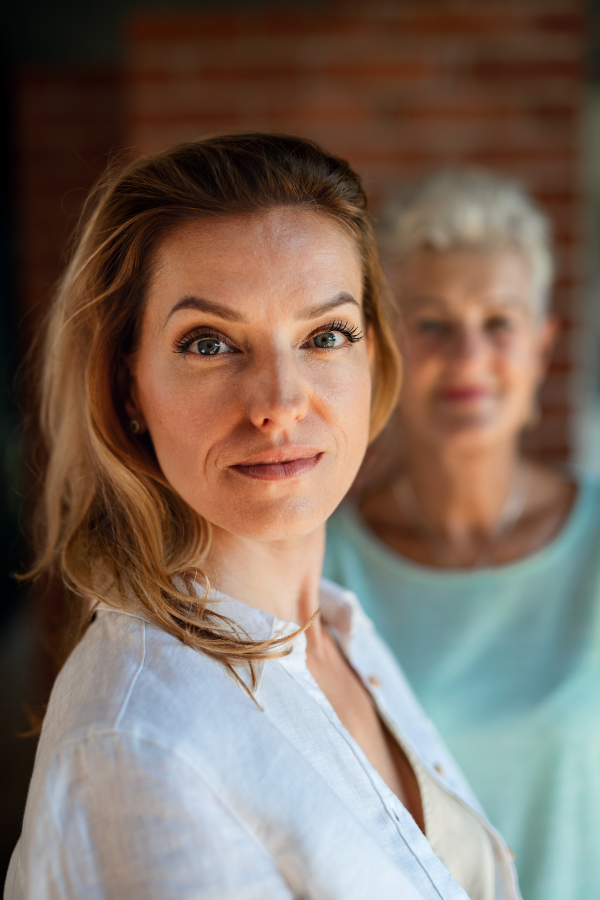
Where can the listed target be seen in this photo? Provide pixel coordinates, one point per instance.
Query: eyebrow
(206, 306)
(313, 312)
(415, 302)
(230, 315)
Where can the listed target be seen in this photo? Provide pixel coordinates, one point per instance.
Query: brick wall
(66, 124)
(399, 89)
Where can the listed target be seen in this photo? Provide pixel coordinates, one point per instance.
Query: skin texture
(265, 437)
(272, 395)
(475, 351)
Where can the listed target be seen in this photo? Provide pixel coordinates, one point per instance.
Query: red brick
(573, 23)
(67, 123)
(399, 89)
(505, 70)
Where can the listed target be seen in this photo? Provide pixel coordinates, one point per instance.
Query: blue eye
(209, 346)
(329, 339)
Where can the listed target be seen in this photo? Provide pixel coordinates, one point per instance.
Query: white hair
(471, 209)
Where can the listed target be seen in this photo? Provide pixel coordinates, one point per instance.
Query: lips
(464, 393)
(278, 467)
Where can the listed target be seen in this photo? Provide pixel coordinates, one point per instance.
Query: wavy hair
(109, 525)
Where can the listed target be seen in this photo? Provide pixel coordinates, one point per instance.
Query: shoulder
(561, 513)
(128, 677)
(551, 488)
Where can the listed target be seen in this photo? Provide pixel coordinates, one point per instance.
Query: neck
(462, 492)
(279, 577)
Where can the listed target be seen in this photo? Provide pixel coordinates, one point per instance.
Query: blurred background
(398, 87)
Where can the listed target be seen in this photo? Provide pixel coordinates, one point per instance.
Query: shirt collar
(340, 610)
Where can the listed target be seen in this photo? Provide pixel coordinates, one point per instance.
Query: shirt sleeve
(122, 817)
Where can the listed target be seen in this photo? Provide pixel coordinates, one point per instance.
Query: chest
(355, 709)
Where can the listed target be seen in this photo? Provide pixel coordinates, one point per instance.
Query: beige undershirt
(457, 837)
(455, 833)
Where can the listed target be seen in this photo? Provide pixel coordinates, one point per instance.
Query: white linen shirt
(157, 777)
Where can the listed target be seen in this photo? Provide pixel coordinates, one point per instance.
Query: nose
(278, 396)
(469, 345)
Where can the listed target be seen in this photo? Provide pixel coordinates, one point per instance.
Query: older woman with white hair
(480, 567)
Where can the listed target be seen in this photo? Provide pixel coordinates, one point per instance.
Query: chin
(469, 434)
(273, 521)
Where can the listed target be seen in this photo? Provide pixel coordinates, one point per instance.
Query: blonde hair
(472, 209)
(110, 527)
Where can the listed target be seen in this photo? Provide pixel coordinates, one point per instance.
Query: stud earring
(134, 426)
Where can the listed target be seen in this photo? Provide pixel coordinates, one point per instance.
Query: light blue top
(506, 661)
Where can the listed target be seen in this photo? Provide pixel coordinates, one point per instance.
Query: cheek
(516, 363)
(185, 415)
(342, 397)
(422, 367)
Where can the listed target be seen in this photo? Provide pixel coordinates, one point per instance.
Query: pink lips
(273, 469)
(463, 393)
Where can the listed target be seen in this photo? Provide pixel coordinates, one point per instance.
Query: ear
(129, 391)
(547, 337)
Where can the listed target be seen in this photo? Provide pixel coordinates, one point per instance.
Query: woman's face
(474, 349)
(252, 369)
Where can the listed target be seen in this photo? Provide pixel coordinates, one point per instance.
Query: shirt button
(374, 681)
(439, 769)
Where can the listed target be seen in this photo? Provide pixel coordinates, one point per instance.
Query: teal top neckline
(506, 662)
(587, 491)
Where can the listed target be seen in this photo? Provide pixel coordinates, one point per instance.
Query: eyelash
(183, 344)
(352, 333)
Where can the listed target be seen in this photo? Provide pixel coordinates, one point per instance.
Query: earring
(134, 426)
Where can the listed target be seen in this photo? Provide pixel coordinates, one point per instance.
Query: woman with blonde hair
(217, 358)
(479, 566)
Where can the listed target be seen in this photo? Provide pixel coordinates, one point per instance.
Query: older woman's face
(252, 370)
(474, 349)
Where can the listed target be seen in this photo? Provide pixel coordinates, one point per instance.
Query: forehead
(282, 251)
(458, 277)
